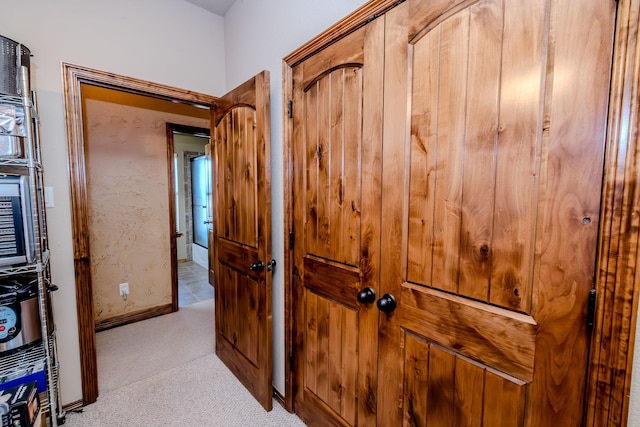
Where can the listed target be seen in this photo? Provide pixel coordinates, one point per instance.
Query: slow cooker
(19, 315)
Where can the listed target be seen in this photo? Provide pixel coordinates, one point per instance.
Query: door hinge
(290, 109)
(591, 309)
(291, 240)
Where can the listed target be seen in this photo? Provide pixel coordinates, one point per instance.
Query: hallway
(193, 284)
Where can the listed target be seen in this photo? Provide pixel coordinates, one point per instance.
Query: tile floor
(193, 284)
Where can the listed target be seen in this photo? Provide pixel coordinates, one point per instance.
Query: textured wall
(128, 198)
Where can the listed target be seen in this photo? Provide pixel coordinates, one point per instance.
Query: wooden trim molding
(73, 406)
(124, 319)
(173, 234)
(366, 13)
(617, 281)
(73, 77)
(287, 171)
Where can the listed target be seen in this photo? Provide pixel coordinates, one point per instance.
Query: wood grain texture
(124, 319)
(332, 281)
(311, 348)
(237, 256)
(614, 333)
(338, 221)
(488, 30)
(334, 134)
(340, 30)
(470, 393)
(608, 400)
(426, 56)
(571, 175)
(499, 338)
(519, 147)
(416, 365)
(504, 402)
(242, 214)
(481, 127)
(287, 272)
(449, 153)
(441, 384)
(331, 356)
(394, 211)
(443, 388)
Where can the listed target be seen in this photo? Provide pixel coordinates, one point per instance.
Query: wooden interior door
(491, 209)
(337, 146)
(242, 234)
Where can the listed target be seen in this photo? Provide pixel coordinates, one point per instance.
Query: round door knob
(387, 303)
(256, 266)
(366, 296)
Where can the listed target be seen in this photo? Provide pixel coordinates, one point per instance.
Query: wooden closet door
(491, 201)
(337, 147)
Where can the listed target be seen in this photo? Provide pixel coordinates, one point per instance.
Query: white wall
(258, 34)
(164, 41)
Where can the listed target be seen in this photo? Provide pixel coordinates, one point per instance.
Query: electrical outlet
(124, 290)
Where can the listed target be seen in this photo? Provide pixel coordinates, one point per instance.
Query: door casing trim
(73, 77)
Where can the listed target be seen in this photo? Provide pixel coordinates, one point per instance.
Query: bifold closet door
(491, 198)
(337, 147)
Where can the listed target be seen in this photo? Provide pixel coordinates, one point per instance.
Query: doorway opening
(192, 189)
(74, 78)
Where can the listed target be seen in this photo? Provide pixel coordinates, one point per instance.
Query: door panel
(495, 185)
(337, 139)
(242, 218)
(445, 389)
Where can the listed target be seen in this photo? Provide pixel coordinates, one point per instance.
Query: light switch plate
(48, 197)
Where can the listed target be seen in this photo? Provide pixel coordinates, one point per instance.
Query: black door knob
(366, 296)
(387, 303)
(257, 266)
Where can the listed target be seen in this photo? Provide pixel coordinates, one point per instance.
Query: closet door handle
(366, 296)
(256, 266)
(387, 303)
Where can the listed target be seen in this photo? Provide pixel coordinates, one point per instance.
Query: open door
(240, 130)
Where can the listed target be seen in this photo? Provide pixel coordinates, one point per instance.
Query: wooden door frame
(73, 77)
(617, 282)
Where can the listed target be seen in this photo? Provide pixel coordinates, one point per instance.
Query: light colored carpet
(163, 372)
(139, 350)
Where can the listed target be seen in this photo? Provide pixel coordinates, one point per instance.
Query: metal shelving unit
(38, 359)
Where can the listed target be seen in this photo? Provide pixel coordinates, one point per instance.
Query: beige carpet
(139, 350)
(163, 372)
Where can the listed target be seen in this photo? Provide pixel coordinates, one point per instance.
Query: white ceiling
(219, 7)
